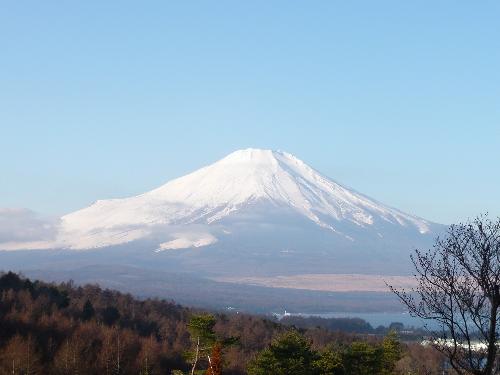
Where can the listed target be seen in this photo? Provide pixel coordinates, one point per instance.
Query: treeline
(351, 325)
(67, 329)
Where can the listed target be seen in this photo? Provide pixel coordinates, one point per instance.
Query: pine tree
(201, 329)
(392, 352)
(330, 362)
(289, 353)
(88, 311)
(361, 358)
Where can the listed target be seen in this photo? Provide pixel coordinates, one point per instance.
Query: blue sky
(398, 99)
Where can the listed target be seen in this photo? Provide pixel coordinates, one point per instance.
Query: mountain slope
(239, 183)
(254, 213)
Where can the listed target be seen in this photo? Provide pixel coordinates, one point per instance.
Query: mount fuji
(245, 181)
(253, 212)
(258, 230)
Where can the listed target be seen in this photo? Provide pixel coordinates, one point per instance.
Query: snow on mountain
(233, 185)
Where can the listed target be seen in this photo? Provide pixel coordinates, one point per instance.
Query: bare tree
(458, 287)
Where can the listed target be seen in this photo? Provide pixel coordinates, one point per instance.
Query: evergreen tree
(362, 358)
(88, 311)
(330, 362)
(290, 353)
(201, 329)
(392, 352)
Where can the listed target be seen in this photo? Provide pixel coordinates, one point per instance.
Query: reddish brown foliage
(215, 364)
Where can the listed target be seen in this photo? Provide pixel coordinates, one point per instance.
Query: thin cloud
(24, 225)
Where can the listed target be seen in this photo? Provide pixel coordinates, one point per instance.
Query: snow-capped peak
(234, 183)
(254, 174)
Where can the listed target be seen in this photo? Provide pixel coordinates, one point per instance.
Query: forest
(68, 329)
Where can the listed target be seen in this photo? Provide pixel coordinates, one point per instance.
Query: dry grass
(327, 282)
